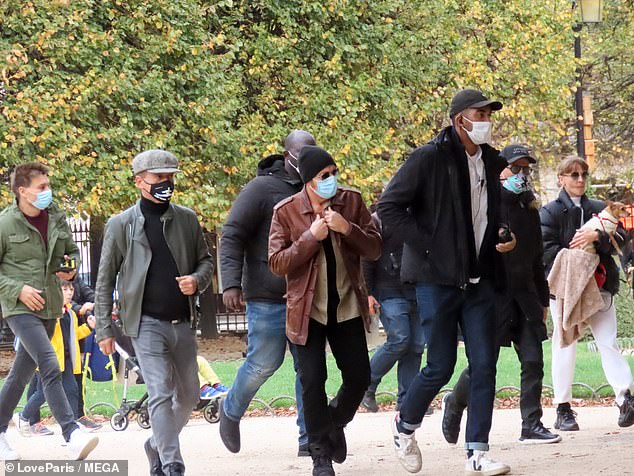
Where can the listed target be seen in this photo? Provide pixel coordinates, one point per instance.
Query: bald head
(293, 145)
(296, 140)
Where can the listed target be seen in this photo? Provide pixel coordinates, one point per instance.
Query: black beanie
(311, 161)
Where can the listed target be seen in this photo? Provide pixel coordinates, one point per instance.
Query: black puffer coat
(561, 219)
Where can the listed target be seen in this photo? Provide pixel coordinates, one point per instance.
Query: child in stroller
(211, 390)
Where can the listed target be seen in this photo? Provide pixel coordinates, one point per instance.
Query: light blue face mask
(43, 199)
(516, 183)
(327, 188)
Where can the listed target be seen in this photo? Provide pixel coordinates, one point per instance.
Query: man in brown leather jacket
(317, 239)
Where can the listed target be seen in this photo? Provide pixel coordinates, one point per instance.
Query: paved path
(269, 447)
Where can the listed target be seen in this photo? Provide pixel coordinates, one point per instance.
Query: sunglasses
(516, 169)
(576, 175)
(326, 175)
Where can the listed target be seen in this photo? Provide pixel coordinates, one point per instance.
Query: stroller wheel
(143, 418)
(210, 412)
(119, 421)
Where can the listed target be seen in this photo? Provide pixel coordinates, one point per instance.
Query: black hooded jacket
(428, 203)
(245, 235)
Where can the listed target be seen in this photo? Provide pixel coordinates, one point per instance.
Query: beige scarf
(572, 282)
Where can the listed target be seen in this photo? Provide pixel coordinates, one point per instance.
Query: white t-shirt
(479, 200)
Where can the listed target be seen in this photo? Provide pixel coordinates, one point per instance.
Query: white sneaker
(6, 452)
(81, 444)
(407, 449)
(481, 465)
(22, 425)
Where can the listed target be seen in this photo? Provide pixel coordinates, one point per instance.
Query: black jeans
(443, 308)
(35, 350)
(348, 346)
(525, 336)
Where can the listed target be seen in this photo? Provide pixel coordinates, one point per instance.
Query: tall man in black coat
(246, 277)
(521, 309)
(444, 202)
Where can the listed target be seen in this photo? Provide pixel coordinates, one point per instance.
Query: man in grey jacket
(155, 254)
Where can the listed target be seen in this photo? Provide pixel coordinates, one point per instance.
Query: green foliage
(91, 83)
(608, 75)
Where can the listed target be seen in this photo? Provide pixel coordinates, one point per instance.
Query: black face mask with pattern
(162, 191)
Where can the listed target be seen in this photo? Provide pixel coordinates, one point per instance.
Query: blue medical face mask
(327, 188)
(517, 183)
(43, 199)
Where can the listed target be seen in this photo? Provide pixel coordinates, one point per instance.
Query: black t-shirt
(331, 274)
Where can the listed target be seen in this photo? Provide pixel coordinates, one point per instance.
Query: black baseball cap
(514, 152)
(471, 98)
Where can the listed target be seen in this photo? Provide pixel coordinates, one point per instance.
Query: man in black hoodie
(444, 202)
(246, 278)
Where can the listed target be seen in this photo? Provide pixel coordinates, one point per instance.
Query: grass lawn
(588, 371)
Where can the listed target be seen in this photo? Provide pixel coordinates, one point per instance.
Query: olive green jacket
(125, 260)
(24, 259)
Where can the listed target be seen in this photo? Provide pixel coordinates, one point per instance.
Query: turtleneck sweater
(162, 298)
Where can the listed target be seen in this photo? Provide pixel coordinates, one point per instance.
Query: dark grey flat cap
(156, 161)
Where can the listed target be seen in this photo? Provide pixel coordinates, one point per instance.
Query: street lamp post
(591, 12)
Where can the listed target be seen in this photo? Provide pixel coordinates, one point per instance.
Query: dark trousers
(31, 410)
(348, 346)
(79, 378)
(443, 308)
(528, 346)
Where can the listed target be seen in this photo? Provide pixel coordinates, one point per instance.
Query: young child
(210, 386)
(65, 342)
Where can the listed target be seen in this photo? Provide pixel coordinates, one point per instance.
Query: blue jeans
(265, 354)
(31, 411)
(405, 344)
(443, 308)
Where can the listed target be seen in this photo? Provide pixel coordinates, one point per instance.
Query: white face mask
(296, 166)
(480, 132)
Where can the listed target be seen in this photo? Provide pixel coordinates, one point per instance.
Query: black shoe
(451, 417)
(156, 467)
(369, 402)
(175, 469)
(338, 445)
(537, 434)
(229, 430)
(566, 420)
(626, 416)
(322, 464)
(303, 450)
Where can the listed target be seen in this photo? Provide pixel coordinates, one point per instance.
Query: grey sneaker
(40, 429)
(88, 425)
(22, 425)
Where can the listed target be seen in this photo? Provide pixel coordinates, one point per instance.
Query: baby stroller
(121, 418)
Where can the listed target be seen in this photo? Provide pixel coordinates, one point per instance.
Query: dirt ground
(269, 447)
